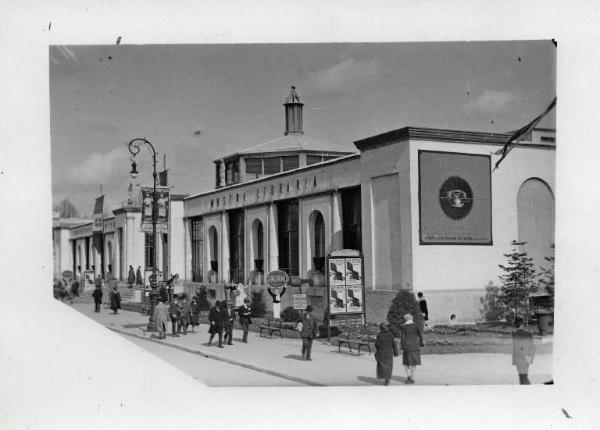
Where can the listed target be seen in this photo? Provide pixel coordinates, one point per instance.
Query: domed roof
(296, 143)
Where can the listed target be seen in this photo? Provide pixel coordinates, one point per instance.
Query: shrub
(202, 299)
(404, 303)
(259, 307)
(493, 309)
(291, 314)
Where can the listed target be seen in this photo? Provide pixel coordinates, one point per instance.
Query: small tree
(66, 209)
(493, 308)
(404, 303)
(517, 280)
(259, 307)
(546, 276)
(290, 314)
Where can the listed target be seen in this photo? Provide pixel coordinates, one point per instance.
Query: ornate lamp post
(134, 149)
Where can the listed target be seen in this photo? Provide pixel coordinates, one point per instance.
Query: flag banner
(97, 241)
(162, 178)
(455, 199)
(518, 134)
(98, 213)
(162, 209)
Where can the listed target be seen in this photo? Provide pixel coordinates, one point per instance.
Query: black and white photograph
(268, 157)
(377, 217)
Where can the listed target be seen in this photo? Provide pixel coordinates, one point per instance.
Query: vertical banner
(162, 209)
(162, 178)
(98, 213)
(455, 199)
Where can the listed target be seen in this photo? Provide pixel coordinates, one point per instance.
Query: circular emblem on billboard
(277, 279)
(456, 197)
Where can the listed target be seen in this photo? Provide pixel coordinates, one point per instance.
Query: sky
(197, 103)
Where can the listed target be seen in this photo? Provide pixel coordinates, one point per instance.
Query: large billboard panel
(455, 198)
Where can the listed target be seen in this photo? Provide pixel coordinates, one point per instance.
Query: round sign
(456, 197)
(277, 279)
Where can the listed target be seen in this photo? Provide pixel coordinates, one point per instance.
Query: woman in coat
(411, 336)
(228, 318)
(386, 351)
(215, 319)
(115, 300)
(131, 276)
(161, 316)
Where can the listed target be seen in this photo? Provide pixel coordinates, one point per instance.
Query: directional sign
(277, 279)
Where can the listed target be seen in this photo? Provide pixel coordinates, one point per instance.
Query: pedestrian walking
(185, 314)
(228, 319)
(115, 300)
(310, 330)
(423, 307)
(161, 317)
(523, 351)
(138, 276)
(97, 294)
(131, 276)
(215, 319)
(386, 350)
(195, 307)
(173, 315)
(411, 342)
(244, 312)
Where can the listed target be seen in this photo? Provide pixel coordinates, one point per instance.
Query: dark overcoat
(387, 349)
(115, 300)
(186, 312)
(97, 294)
(214, 315)
(310, 327)
(131, 276)
(195, 312)
(161, 316)
(411, 336)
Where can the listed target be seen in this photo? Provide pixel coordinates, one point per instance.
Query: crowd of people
(183, 314)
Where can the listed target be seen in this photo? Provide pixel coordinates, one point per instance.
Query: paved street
(277, 362)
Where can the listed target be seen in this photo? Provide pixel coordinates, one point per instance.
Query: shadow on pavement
(294, 357)
(370, 380)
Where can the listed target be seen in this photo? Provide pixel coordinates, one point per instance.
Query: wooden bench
(355, 336)
(272, 326)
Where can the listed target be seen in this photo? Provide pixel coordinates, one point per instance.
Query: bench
(272, 326)
(355, 336)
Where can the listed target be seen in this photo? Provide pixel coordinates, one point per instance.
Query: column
(159, 252)
(117, 256)
(187, 263)
(224, 260)
(337, 234)
(273, 247)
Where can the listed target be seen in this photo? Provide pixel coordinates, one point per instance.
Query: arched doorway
(109, 259)
(258, 245)
(535, 218)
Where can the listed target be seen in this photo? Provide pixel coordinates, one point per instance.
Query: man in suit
(174, 314)
(310, 330)
(245, 321)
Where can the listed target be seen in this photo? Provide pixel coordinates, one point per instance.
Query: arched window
(535, 218)
(316, 225)
(213, 248)
(257, 245)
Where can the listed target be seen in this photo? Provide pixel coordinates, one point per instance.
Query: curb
(223, 359)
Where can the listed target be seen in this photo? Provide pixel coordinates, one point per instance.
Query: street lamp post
(134, 149)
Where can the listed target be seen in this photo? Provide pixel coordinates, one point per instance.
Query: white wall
(177, 240)
(456, 267)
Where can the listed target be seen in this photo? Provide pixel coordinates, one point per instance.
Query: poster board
(299, 301)
(345, 285)
(88, 281)
(162, 209)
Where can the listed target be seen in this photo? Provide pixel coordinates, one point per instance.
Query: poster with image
(354, 275)
(337, 299)
(88, 281)
(337, 273)
(354, 299)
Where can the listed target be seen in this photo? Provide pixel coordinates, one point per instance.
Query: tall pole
(134, 149)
